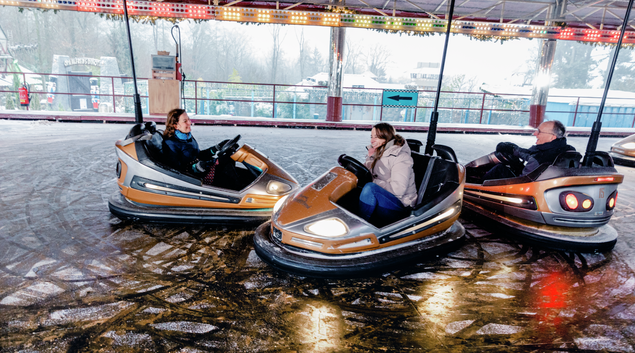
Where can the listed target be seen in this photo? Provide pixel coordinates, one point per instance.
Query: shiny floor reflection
(186, 289)
(74, 278)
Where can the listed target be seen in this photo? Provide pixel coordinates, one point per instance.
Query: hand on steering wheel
(227, 147)
(356, 167)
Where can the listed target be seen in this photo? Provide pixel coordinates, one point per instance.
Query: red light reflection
(554, 293)
(552, 297)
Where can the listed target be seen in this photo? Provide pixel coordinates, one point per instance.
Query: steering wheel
(507, 159)
(227, 146)
(356, 167)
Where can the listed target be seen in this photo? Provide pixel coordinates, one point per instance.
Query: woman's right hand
(371, 151)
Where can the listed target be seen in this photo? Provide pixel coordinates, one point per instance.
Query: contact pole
(434, 118)
(138, 115)
(597, 125)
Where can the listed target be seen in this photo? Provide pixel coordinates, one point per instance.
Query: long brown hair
(172, 121)
(386, 132)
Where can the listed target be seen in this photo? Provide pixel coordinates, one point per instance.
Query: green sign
(400, 98)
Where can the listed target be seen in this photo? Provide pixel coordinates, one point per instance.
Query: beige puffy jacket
(393, 172)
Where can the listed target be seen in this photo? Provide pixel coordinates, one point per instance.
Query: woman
(392, 192)
(182, 152)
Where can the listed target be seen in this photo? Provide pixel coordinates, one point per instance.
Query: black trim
(144, 158)
(388, 237)
(530, 201)
(279, 257)
(138, 183)
(126, 210)
(539, 235)
(619, 159)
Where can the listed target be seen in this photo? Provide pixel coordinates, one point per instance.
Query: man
(550, 143)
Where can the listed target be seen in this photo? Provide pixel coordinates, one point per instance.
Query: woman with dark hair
(182, 153)
(392, 192)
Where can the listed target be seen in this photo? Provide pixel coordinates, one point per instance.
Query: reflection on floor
(74, 278)
(192, 289)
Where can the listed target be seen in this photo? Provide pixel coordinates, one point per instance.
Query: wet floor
(75, 278)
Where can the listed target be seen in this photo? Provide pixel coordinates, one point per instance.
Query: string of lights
(150, 11)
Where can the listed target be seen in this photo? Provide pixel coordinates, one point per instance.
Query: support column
(540, 92)
(336, 59)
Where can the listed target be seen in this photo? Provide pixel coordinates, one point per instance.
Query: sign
(82, 61)
(400, 98)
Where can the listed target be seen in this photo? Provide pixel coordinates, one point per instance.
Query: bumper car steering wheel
(356, 167)
(228, 147)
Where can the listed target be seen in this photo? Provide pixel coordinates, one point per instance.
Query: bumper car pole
(434, 118)
(138, 114)
(597, 125)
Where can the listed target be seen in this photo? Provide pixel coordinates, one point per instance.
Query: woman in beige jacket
(392, 193)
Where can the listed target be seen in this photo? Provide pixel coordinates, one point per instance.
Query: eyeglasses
(538, 132)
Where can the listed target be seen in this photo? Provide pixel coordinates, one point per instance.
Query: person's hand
(506, 148)
(203, 166)
(371, 151)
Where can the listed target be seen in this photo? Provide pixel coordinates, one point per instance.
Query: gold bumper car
(151, 191)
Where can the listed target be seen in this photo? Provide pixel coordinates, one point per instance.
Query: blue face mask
(183, 136)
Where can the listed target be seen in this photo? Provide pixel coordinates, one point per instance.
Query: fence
(112, 94)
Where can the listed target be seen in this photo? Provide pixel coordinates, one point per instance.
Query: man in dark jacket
(550, 143)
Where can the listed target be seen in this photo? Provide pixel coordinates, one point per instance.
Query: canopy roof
(581, 20)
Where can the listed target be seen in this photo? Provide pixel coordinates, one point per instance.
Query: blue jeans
(380, 203)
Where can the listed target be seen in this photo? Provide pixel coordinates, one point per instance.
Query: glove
(204, 166)
(207, 154)
(506, 148)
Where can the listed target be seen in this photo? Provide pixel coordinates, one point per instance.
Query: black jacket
(180, 154)
(539, 154)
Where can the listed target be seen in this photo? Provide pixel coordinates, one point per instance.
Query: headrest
(156, 142)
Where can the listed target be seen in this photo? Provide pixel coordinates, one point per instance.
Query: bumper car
(565, 205)
(623, 151)
(151, 191)
(317, 232)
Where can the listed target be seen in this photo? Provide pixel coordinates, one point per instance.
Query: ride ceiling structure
(579, 20)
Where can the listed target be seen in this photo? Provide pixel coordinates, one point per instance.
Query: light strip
(444, 215)
(515, 200)
(161, 188)
(307, 242)
(328, 19)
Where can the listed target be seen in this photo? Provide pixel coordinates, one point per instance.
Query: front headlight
(332, 227)
(279, 204)
(629, 145)
(277, 188)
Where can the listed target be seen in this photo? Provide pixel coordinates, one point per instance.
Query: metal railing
(114, 94)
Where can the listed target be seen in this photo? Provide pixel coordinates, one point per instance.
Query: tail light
(576, 201)
(610, 202)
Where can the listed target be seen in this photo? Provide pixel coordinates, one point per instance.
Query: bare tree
(302, 51)
(353, 58)
(377, 58)
(276, 50)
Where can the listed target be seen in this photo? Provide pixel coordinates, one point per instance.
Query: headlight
(279, 204)
(277, 188)
(629, 145)
(331, 227)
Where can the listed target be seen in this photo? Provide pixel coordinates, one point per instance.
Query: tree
(353, 57)
(377, 59)
(316, 63)
(276, 50)
(624, 75)
(303, 55)
(573, 65)
(235, 77)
